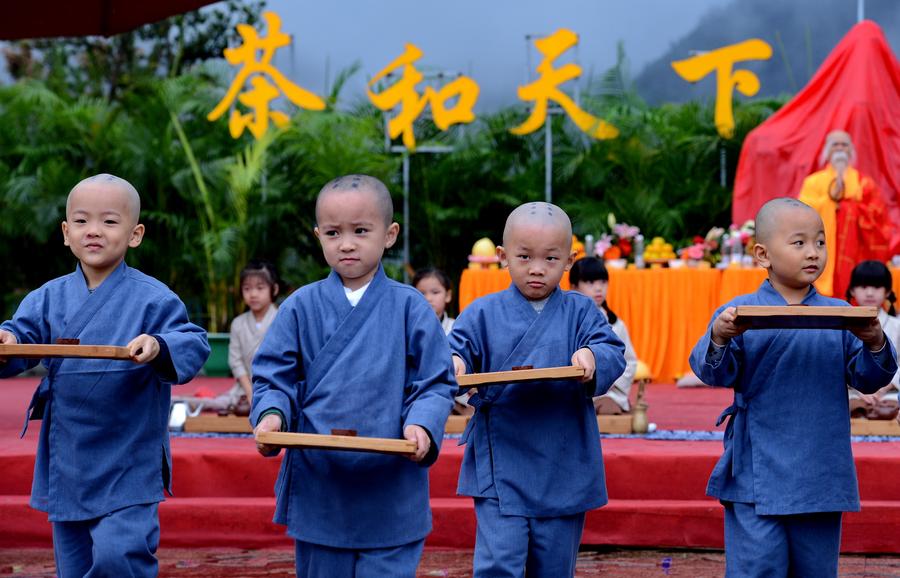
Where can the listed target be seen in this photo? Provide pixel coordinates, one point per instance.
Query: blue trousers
(511, 546)
(778, 546)
(316, 561)
(121, 544)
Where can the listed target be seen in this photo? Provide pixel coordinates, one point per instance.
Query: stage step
(246, 522)
(635, 470)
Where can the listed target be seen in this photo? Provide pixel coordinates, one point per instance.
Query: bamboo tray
(47, 350)
(804, 316)
(476, 379)
(338, 442)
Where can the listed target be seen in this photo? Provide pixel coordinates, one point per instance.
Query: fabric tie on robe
(737, 411)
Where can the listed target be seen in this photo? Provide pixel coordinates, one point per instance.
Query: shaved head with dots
(539, 214)
(362, 183)
(134, 199)
(767, 219)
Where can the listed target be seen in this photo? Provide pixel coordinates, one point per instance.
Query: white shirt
(354, 296)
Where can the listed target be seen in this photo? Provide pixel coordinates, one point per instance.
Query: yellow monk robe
(855, 227)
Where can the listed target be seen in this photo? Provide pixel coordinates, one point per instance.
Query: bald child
(355, 351)
(532, 461)
(103, 456)
(787, 472)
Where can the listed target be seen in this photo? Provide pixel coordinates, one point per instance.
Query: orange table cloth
(666, 310)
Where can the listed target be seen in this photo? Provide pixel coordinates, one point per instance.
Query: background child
(259, 287)
(532, 461)
(435, 285)
(589, 277)
(787, 472)
(355, 351)
(871, 285)
(103, 454)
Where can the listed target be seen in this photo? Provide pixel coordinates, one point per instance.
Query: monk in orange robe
(857, 227)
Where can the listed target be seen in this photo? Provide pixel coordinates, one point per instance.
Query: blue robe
(374, 368)
(787, 444)
(535, 446)
(104, 441)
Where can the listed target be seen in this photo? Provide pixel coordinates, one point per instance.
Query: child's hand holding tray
(803, 316)
(525, 374)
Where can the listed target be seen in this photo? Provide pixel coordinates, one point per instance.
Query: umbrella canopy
(50, 18)
(857, 89)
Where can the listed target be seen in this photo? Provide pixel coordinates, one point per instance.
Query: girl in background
(259, 287)
(590, 277)
(871, 285)
(435, 285)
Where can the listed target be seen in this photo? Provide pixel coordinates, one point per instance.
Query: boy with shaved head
(532, 461)
(355, 351)
(787, 473)
(103, 454)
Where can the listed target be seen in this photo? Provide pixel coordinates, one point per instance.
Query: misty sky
(484, 39)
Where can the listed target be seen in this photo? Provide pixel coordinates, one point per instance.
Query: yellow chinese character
(263, 91)
(546, 88)
(403, 92)
(722, 61)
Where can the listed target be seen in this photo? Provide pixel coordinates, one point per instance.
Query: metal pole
(723, 174)
(860, 10)
(548, 159)
(406, 228)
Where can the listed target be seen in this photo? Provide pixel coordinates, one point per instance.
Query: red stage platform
(223, 488)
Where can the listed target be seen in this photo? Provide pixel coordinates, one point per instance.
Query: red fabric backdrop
(856, 89)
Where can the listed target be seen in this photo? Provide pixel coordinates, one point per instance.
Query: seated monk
(853, 212)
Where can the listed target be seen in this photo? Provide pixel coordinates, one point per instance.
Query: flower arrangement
(718, 246)
(619, 243)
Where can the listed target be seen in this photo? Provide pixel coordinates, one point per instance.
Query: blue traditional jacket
(374, 368)
(535, 445)
(787, 444)
(104, 441)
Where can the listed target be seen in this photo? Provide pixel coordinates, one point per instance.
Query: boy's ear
(570, 261)
(137, 235)
(316, 233)
(65, 231)
(393, 231)
(761, 254)
(501, 253)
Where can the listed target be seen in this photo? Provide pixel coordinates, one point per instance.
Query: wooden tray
(475, 379)
(205, 423)
(874, 427)
(48, 350)
(609, 424)
(332, 442)
(804, 316)
(456, 424)
(614, 424)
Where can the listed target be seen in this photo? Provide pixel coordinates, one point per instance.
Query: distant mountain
(801, 32)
